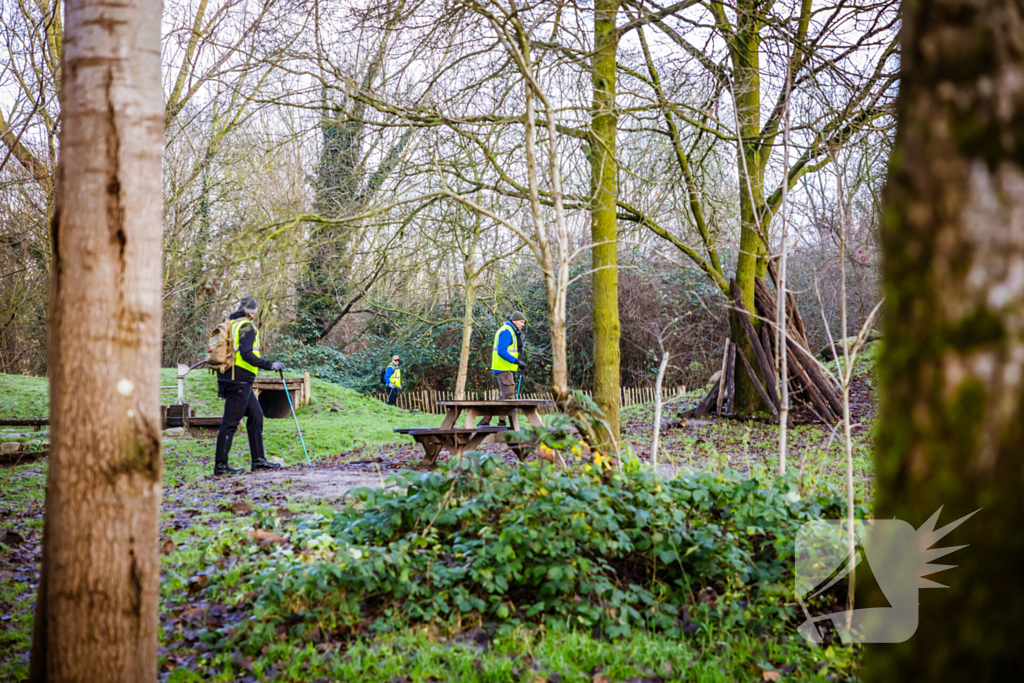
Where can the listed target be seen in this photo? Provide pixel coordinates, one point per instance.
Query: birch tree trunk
(467, 332)
(657, 409)
(96, 614)
(604, 219)
(952, 365)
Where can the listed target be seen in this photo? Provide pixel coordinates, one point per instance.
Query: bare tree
(814, 57)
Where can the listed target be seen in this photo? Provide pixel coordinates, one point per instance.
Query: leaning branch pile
(809, 387)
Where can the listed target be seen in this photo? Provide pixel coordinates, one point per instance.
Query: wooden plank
(428, 431)
(514, 403)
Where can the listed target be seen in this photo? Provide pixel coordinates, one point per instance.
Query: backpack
(383, 374)
(220, 348)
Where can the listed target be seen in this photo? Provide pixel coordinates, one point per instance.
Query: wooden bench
(456, 441)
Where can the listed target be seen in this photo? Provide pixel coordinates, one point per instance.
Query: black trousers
(392, 395)
(240, 401)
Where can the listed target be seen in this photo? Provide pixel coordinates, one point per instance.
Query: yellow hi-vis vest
(235, 331)
(499, 363)
(396, 378)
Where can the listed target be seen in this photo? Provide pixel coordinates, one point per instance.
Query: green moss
(966, 416)
(981, 328)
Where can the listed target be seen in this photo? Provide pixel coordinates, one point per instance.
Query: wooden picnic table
(530, 408)
(458, 440)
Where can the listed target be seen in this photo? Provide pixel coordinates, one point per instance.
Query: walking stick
(519, 388)
(285, 384)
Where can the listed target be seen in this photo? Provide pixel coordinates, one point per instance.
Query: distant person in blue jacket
(505, 359)
(393, 380)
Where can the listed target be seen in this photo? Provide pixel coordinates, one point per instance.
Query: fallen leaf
(167, 547)
(242, 662)
(770, 675)
(262, 536)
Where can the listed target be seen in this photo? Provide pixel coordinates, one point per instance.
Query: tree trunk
(96, 614)
(603, 219)
(750, 263)
(950, 432)
(467, 338)
(662, 366)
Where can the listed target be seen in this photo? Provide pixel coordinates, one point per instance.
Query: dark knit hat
(248, 304)
(517, 315)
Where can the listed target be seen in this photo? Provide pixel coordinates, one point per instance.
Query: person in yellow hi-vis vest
(393, 380)
(506, 359)
(235, 387)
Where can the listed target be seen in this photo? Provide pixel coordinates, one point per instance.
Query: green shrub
(591, 547)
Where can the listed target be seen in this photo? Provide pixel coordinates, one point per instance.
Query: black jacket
(246, 339)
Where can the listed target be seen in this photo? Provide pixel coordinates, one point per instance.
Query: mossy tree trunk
(604, 221)
(952, 363)
(751, 262)
(96, 614)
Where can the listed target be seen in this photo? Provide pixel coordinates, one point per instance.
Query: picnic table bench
(458, 440)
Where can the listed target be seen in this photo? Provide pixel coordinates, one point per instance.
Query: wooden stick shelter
(809, 386)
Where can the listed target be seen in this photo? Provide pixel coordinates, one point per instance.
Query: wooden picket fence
(425, 400)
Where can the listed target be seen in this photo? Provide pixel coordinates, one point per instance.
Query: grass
(359, 423)
(24, 396)
(362, 422)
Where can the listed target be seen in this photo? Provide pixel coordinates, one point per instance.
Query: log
(721, 379)
(809, 387)
(826, 387)
(731, 379)
(760, 387)
(705, 404)
(798, 320)
(762, 360)
(819, 385)
(767, 336)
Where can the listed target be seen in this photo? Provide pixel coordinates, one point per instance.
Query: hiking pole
(520, 387)
(285, 384)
